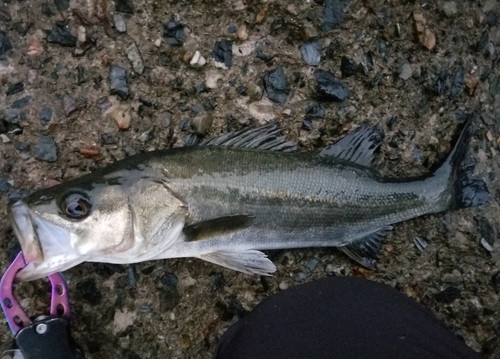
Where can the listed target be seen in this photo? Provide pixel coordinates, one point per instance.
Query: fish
(228, 199)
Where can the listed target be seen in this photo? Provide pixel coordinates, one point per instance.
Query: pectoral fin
(366, 250)
(248, 261)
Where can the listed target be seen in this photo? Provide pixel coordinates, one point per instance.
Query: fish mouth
(46, 246)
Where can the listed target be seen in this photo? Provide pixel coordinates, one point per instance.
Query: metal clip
(16, 317)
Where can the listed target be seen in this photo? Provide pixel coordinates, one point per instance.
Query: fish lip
(25, 231)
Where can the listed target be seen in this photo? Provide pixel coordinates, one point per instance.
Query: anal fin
(366, 250)
(248, 261)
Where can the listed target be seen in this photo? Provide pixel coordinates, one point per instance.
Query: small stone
(202, 122)
(448, 295)
(69, 104)
(315, 110)
(449, 8)
(425, 35)
(261, 14)
(175, 33)
(262, 111)
(146, 135)
(119, 23)
(35, 49)
(284, 285)
(405, 71)
(121, 114)
(59, 35)
(21, 103)
(333, 12)
(82, 34)
(118, 82)
(124, 6)
(61, 5)
(14, 88)
(348, 67)
(45, 115)
(166, 119)
(5, 138)
(311, 52)
(46, 149)
(5, 44)
(32, 76)
(277, 86)
(4, 185)
(329, 88)
(198, 60)
(157, 42)
(89, 151)
(242, 33)
(458, 82)
(212, 79)
(134, 56)
(223, 52)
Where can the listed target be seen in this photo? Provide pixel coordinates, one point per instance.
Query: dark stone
(448, 295)
(486, 230)
(118, 82)
(145, 111)
(495, 279)
(7, 168)
(315, 110)
(495, 86)
(80, 76)
(4, 15)
(232, 28)
(474, 191)
(191, 139)
(277, 86)
(441, 85)
(333, 13)
(329, 88)
(69, 104)
(62, 5)
(89, 292)
(109, 139)
(125, 6)
(22, 146)
(46, 149)
(241, 90)
(5, 44)
(223, 52)
(307, 124)
(348, 67)
(175, 34)
(21, 103)
(15, 195)
(59, 35)
(483, 42)
(311, 52)
(491, 18)
(184, 124)
(45, 115)
(169, 280)
(22, 28)
(231, 308)
(218, 280)
(169, 295)
(48, 9)
(485, 74)
(4, 185)
(458, 82)
(262, 56)
(14, 88)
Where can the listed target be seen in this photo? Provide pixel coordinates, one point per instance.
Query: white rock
(157, 42)
(449, 8)
(82, 34)
(119, 22)
(212, 78)
(135, 58)
(262, 111)
(5, 138)
(198, 60)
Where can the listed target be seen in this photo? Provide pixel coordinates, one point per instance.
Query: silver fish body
(223, 204)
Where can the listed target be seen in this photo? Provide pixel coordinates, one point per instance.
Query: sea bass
(227, 199)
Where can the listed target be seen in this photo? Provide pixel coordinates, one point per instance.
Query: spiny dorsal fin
(267, 137)
(366, 250)
(358, 146)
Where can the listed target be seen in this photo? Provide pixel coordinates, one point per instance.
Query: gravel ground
(85, 83)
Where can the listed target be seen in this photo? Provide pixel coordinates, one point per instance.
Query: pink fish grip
(15, 314)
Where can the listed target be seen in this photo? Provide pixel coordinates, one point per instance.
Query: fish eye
(76, 205)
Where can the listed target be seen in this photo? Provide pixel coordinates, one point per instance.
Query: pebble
(222, 53)
(277, 86)
(448, 295)
(14, 88)
(120, 114)
(59, 35)
(405, 71)
(457, 83)
(198, 60)
(449, 8)
(332, 14)
(118, 82)
(166, 119)
(157, 42)
(262, 111)
(175, 33)
(315, 110)
(202, 122)
(45, 115)
(212, 79)
(5, 138)
(124, 6)
(348, 67)
(242, 33)
(46, 149)
(32, 76)
(134, 56)
(69, 104)
(284, 285)
(5, 44)
(311, 52)
(21, 103)
(62, 5)
(82, 34)
(4, 185)
(146, 135)
(329, 88)
(487, 231)
(119, 23)
(495, 279)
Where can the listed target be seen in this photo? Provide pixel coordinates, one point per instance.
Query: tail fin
(467, 191)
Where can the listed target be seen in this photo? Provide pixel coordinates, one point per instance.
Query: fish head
(76, 221)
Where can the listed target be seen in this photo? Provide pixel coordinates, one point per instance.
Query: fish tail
(463, 190)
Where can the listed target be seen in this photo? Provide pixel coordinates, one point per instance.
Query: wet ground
(85, 83)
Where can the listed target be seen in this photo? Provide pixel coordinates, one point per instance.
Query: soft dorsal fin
(267, 137)
(358, 146)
